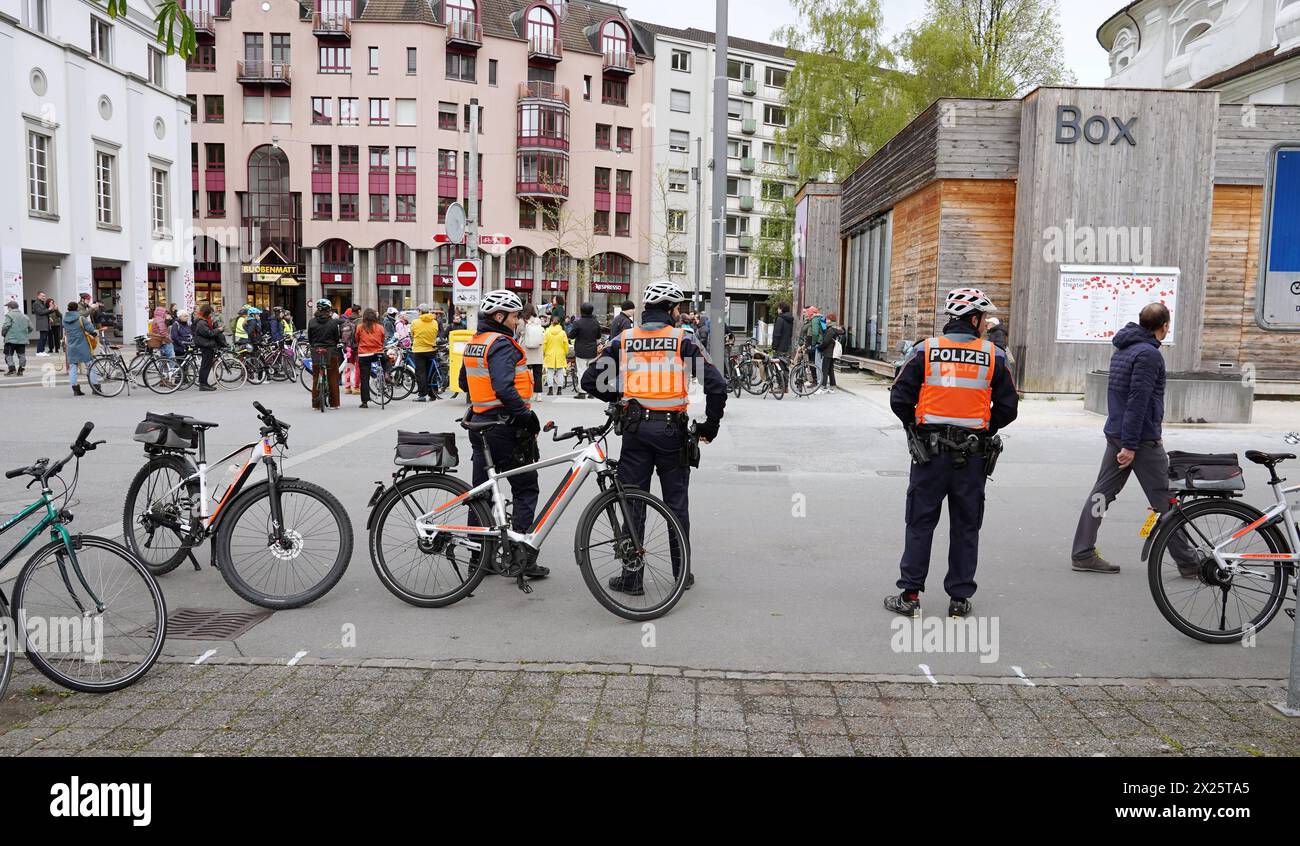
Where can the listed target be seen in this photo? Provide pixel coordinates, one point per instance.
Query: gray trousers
(1151, 465)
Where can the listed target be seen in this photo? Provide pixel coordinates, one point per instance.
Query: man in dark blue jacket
(1136, 406)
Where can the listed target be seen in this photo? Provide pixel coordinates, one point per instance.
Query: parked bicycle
(1243, 558)
(762, 374)
(281, 543)
(102, 618)
(433, 538)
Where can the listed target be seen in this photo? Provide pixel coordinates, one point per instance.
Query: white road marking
(1023, 677)
(205, 656)
(295, 659)
(114, 530)
(926, 669)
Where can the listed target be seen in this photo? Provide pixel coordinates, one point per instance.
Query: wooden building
(1024, 198)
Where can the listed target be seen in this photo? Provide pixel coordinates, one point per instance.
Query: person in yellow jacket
(424, 339)
(555, 357)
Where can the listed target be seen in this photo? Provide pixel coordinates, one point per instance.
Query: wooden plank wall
(978, 139)
(978, 234)
(897, 169)
(1231, 334)
(914, 272)
(1160, 186)
(1246, 134)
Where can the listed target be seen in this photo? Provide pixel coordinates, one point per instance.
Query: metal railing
(262, 70)
(620, 60)
(465, 31)
(544, 91)
(545, 46)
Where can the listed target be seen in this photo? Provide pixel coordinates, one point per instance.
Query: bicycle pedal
(525, 587)
(1291, 613)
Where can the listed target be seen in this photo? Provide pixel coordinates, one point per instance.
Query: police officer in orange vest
(494, 373)
(650, 366)
(953, 394)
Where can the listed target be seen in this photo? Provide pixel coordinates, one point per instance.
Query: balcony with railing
(203, 25)
(262, 72)
(544, 48)
(535, 90)
(326, 25)
(620, 62)
(464, 34)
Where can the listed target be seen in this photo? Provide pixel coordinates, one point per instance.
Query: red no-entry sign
(468, 274)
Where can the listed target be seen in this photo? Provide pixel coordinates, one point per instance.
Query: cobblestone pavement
(393, 708)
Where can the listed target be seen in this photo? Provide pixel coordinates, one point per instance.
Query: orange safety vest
(652, 370)
(958, 385)
(481, 393)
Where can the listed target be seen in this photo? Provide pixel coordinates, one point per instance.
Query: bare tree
(665, 241)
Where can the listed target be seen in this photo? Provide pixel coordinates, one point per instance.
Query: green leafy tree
(983, 48)
(175, 29)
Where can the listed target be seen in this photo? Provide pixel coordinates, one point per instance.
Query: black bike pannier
(168, 431)
(1190, 471)
(427, 450)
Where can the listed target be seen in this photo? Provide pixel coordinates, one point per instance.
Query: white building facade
(1248, 50)
(759, 174)
(96, 147)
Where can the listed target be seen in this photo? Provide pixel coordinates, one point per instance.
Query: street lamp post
(718, 290)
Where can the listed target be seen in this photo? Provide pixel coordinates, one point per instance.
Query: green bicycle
(88, 613)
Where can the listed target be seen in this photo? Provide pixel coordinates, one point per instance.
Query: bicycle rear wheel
(403, 381)
(1215, 606)
(108, 377)
(313, 556)
(803, 380)
(428, 573)
(228, 372)
(66, 638)
(161, 378)
(7, 668)
(657, 567)
(776, 383)
(751, 379)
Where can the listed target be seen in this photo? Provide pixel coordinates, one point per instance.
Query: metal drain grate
(758, 468)
(894, 474)
(211, 623)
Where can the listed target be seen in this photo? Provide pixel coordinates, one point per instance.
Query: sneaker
(1095, 564)
(421, 399)
(628, 584)
(959, 608)
(906, 604)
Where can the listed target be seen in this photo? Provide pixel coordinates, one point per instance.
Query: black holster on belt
(691, 447)
(526, 449)
(993, 448)
(918, 445)
(630, 417)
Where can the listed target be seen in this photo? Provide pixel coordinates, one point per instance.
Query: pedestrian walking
(324, 338)
(41, 319)
(585, 333)
(556, 357)
(954, 394)
(424, 340)
(16, 330)
(80, 337)
(1134, 440)
(209, 338)
(370, 350)
(830, 349)
(532, 334)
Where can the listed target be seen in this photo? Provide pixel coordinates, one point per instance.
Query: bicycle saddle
(198, 424)
(1268, 459)
(479, 427)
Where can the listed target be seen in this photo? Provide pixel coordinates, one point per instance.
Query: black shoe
(206, 388)
(364, 405)
(76, 391)
(690, 580)
(959, 608)
(22, 370)
(627, 583)
(906, 604)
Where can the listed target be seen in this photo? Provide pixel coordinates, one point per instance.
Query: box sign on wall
(1071, 128)
(1279, 284)
(1096, 301)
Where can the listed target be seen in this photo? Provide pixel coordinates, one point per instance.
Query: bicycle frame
(207, 515)
(1280, 511)
(53, 520)
(582, 463)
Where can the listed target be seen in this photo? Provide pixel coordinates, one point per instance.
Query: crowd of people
(821, 338)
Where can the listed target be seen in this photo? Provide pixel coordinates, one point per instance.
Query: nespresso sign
(1096, 130)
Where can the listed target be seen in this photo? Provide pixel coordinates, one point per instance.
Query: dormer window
(455, 11)
(1193, 35)
(1122, 51)
(541, 25)
(614, 40)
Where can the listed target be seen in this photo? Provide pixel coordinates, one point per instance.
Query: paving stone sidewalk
(321, 709)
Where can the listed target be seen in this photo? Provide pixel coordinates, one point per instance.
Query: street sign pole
(471, 250)
(718, 289)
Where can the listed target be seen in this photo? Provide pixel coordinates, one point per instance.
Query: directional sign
(483, 240)
(467, 279)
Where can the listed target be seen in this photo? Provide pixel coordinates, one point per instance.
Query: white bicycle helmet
(963, 301)
(663, 292)
(498, 302)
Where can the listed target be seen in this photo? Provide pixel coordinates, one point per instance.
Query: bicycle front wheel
(228, 372)
(404, 383)
(803, 380)
(161, 378)
(7, 668)
(67, 638)
(637, 581)
(751, 378)
(304, 564)
(429, 573)
(1211, 604)
(107, 377)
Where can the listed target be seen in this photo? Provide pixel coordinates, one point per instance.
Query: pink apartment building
(330, 136)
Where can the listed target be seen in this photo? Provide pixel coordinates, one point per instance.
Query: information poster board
(1094, 302)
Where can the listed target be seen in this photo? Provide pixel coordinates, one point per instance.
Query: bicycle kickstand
(189, 553)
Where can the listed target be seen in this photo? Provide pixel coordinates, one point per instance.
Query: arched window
(519, 263)
(392, 258)
(336, 256)
(444, 256)
(612, 267)
(455, 11)
(542, 29)
(270, 214)
(1192, 35)
(556, 265)
(614, 40)
(1122, 50)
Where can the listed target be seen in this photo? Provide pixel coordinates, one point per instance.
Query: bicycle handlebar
(43, 469)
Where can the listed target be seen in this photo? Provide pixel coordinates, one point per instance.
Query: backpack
(816, 329)
(347, 332)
